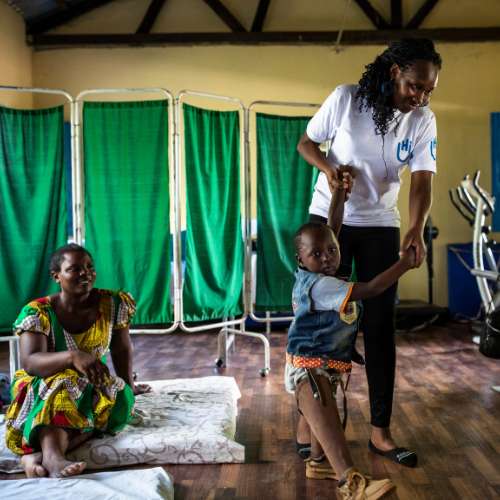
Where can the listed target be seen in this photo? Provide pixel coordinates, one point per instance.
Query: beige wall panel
(15, 58)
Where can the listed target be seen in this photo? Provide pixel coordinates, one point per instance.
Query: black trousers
(373, 250)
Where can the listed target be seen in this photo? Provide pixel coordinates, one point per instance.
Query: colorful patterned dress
(68, 399)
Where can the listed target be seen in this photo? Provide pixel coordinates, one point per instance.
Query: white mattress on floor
(151, 484)
(183, 421)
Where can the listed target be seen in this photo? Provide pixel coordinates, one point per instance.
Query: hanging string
(342, 26)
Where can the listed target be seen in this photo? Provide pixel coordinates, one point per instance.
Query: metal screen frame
(267, 320)
(78, 199)
(228, 325)
(13, 340)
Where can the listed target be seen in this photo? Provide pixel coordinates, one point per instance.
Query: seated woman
(65, 393)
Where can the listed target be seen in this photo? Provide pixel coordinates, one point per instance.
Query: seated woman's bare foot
(32, 464)
(60, 467)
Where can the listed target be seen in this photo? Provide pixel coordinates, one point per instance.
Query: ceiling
(384, 18)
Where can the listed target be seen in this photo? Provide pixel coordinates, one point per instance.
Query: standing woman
(376, 129)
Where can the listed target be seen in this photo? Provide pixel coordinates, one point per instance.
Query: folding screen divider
(123, 197)
(278, 195)
(226, 269)
(32, 203)
(210, 158)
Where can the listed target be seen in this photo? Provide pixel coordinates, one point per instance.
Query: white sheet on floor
(150, 484)
(183, 421)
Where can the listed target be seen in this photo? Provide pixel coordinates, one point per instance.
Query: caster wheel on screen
(219, 363)
(264, 372)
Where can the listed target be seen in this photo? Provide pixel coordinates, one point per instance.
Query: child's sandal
(303, 449)
(319, 468)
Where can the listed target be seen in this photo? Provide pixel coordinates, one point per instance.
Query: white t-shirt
(410, 140)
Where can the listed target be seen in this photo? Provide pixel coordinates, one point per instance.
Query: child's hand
(347, 182)
(335, 183)
(341, 179)
(346, 175)
(409, 257)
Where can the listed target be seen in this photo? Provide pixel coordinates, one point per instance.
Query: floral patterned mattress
(182, 421)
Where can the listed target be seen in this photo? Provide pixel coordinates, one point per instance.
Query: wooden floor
(444, 408)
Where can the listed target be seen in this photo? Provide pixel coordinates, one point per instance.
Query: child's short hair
(58, 256)
(309, 227)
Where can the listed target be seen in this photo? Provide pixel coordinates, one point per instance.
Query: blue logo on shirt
(404, 152)
(433, 147)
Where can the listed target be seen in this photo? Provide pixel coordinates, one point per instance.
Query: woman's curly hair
(375, 86)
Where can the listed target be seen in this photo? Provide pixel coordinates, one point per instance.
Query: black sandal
(303, 449)
(401, 456)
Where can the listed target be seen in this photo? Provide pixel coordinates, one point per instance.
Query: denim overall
(318, 334)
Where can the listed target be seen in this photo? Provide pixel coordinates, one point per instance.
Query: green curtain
(285, 184)
(127, 202)
(214, 240)
(32, 205)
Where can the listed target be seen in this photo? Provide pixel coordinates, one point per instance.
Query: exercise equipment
(475, 204)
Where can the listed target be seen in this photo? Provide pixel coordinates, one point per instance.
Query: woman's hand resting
(88, 365)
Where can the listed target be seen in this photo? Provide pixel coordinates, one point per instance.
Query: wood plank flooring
(444, 408)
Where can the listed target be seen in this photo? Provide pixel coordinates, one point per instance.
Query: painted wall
(15, 58)
(467, 92)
